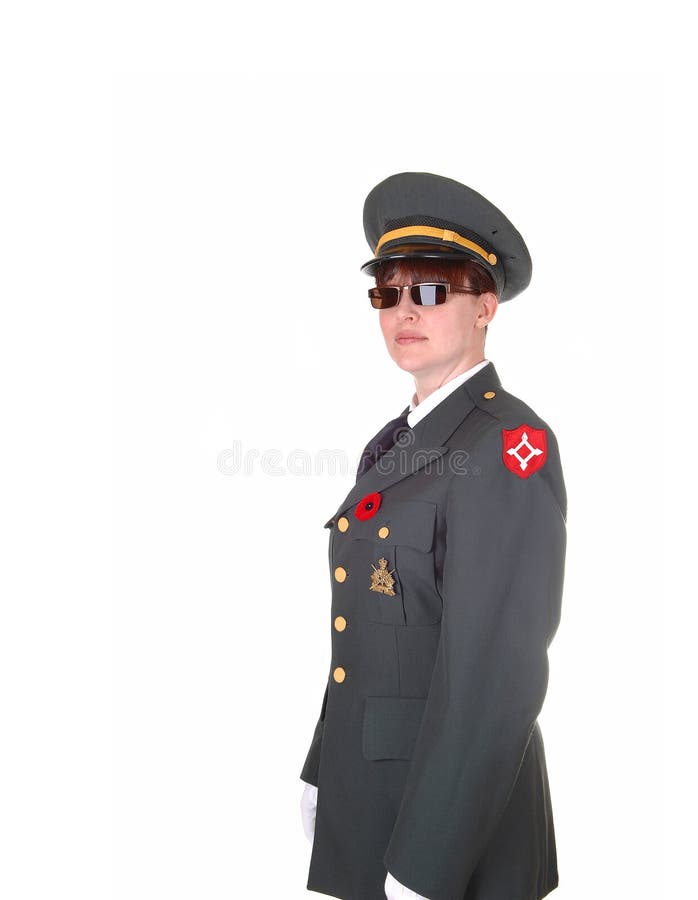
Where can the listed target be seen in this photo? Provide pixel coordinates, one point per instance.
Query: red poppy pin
(524, 449)
(368, 506)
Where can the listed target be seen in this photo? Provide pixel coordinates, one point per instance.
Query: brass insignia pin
(382, 580)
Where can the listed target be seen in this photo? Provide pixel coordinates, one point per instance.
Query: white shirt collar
(419, 410)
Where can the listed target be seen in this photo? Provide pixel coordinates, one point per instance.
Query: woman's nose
(406, 306)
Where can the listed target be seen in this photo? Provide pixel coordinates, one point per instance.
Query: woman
(426, 775)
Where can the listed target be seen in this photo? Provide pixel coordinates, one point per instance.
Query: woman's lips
(409, 340)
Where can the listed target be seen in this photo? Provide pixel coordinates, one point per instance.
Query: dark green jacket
(427, 754)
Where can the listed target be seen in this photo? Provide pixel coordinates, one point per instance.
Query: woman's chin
(411, 362)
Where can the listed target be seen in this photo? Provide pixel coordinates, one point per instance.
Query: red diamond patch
(524, 449)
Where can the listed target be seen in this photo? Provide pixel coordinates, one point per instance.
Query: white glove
(396, 891)
(308, 807)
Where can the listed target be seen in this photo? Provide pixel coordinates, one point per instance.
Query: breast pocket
(400, 588)
(381, 593)
(407, 531)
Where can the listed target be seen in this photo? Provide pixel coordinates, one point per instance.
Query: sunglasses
(428, 294)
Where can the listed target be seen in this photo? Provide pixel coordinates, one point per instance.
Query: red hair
(464, 272)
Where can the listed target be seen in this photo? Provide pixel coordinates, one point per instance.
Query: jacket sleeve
(502, 585)
(309, 773)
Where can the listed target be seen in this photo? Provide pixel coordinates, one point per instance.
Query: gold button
(340, 573)
(488, 395)
(339, 674)
(343, 523)
(340, 623)
(383, 532)
(492, 259)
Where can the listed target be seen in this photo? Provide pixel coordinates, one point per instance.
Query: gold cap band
(441, 233)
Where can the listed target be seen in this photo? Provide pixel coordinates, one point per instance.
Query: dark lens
(429, 294)
(383, 297)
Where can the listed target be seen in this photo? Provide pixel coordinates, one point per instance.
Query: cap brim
(370, 267)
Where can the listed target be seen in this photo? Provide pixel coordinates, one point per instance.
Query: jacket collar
(425, 442)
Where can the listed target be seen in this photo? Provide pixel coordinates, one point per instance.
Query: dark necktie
(381, 443)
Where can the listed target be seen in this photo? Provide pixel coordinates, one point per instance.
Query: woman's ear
(488, 309)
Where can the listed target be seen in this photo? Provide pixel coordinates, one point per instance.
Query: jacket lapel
(424, 444)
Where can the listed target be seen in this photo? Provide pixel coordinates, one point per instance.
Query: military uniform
(446, 563)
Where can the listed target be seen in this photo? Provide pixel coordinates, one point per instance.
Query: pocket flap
(407, 522)
(390, 726)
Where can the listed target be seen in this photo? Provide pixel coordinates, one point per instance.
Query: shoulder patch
(524, 449)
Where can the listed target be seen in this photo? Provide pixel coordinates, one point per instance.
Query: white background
(165, 637)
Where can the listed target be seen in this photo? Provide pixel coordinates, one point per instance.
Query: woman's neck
(426, 383)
